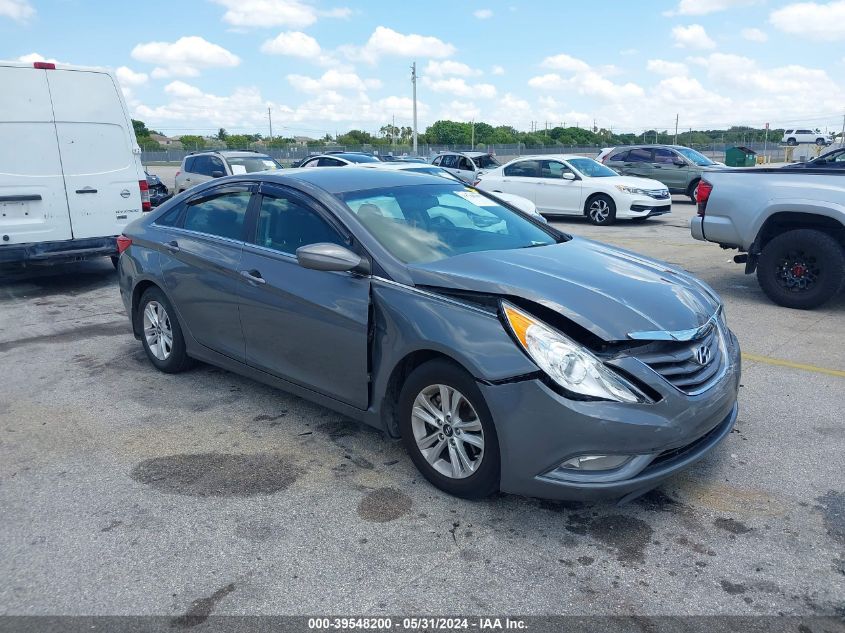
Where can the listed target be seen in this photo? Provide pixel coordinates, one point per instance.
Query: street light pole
(414, 83)
(270, 116)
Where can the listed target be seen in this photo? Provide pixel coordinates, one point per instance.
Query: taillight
(475, 182)
(123, 243)
(178, 172)
(702, 195)
(44, 65)
(146, 205)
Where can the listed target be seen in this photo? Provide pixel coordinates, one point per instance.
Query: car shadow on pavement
(40, 281)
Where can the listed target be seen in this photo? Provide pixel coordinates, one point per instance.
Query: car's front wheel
(448, 431)
(161, 334)
(801, 269)
(692, 191)
(601, 210)
(792, 142)
(820, 141)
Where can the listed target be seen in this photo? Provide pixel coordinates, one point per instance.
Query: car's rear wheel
(801, 269)
(820, 141)
(601, 210)
(161, 334)
(792, 142)
(448, 431)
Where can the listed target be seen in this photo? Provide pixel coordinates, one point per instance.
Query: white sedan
(561, 184)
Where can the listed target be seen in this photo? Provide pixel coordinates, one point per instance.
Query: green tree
(355, 137)
(192, 142)
(222, 134)
(239, 141)
(140, 129)
(147, 144)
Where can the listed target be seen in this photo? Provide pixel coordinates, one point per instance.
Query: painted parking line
(788, 363)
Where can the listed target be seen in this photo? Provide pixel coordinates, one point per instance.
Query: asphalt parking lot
(128, 491)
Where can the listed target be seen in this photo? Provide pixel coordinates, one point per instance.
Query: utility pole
(842, 138)
(270, 116)
(393, 133)
(473, 134)
(414, 83)
(675, 142)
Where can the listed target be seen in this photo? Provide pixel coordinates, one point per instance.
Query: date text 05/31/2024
(413, 624)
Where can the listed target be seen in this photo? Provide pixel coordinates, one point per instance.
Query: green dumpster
(740, 157)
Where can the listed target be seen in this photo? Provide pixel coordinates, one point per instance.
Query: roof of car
(548, 156)
(234, 153)
(340, 180)
(470, 153)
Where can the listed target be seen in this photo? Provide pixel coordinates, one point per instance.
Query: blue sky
(196, 65)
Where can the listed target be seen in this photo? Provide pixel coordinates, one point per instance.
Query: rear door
(33, 203)
(522, 178)
(638, 162)
(307, 326)
(96, 149)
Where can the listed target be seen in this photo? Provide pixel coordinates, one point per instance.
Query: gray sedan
(505, 355)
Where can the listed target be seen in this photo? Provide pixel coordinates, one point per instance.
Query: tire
(172, 358)
(820, 142)
(481, 478)
(801, 269)
(601, 210)
(692, 190)
(792, 142)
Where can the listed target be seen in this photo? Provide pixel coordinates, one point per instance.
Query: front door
(201, 264)
(307, 326)
(556, 194)
(669, 170)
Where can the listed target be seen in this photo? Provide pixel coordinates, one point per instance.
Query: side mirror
(217, 174)
(568, 175)
(328, 257)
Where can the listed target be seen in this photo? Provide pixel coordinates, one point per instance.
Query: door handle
(86, 190)
(253, 276)
(172, 246)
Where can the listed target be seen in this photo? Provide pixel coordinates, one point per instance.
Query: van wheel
(792, 142)
(448, 431)
(820, 141)
(601, 210)
(161, 334)
(692, 191)
(801, 269)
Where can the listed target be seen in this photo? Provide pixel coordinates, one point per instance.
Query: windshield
(426, 223)
(360, 158)
(691, 155)
(486, 162)
(589, 167)
(249, 164)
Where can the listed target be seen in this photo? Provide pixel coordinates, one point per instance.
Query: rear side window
(330, 162)
(171, 217)
(618, 156)
(639, 155)
(285, 224)
(189, 164)
(222, 215)
(524, 169)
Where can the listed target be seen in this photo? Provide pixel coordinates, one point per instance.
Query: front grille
(658, 194)
(680, 363)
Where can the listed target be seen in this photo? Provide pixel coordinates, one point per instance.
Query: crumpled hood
(610, 292)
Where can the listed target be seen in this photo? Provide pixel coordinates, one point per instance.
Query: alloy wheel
(447, 431)
(797, 271)
(157, 330)
(599, 210)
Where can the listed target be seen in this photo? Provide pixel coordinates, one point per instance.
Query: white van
(70, 166)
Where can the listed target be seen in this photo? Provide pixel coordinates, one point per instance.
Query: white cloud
(185, 57)
(823, 21)
(128, 77)
(692, 36)
(270, 13)
(387, 42)
(294, 44)
(483, 14)
(17, 10)
(448, 67)
(332, 80)
(497, 70)
(565, 62)
(460, 88)
(460, 111)
(37, 57)
(703, 7)
(754, 35)
(745, 73)
(663, 67)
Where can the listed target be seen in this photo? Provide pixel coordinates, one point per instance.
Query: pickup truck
(787, 224)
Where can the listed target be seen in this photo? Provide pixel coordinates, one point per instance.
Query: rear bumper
(58, 252)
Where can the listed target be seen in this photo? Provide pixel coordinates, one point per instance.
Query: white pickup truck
(788, 225)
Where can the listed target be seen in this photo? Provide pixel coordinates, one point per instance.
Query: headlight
(566, 362)
(633, 190)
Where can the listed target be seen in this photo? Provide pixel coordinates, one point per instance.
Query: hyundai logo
(702, 355)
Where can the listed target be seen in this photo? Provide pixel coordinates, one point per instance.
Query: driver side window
(285, 224)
